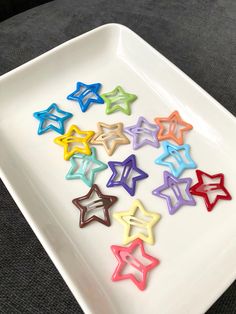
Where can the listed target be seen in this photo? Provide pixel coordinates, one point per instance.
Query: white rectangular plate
(197, 249)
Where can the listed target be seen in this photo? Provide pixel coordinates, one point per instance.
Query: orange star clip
(68, 139)
(172, 127)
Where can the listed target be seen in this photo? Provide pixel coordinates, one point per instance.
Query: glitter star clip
(84, 167)
(128, 176)
(126, 256)
(171, 192)
(118, 100)
(139, 218)
(51, 116)
(69, 139)
(211, 188)
(110, 136)
(86, 95)
(173, 128)
(177, 158)
(91, 204)
(145, 129)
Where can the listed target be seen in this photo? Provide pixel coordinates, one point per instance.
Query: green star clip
(118, 100)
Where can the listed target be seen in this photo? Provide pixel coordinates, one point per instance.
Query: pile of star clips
(176, 191)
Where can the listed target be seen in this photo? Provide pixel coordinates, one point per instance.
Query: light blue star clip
(47, 115)
(178, 163)
(85, 171)
(86, 95)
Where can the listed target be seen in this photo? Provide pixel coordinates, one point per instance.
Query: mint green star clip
(84, 167)
(118, 100)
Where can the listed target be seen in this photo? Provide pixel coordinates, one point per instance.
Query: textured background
(198, 36)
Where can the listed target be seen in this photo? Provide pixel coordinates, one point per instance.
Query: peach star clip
(128, 219)
(172, 127)
(110, 139)
(70, 138)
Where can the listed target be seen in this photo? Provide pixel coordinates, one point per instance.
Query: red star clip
(172, 127)
(125, 256)
(88, 206)
(208, 190)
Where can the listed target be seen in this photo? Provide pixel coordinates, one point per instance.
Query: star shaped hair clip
(173, 128)
(69, 139)
(86, 95)
(145, 129)
(93, 203)
(128, 175)
(177, 158)
(85, 167)
(211, 188)
(110, 136)
(144, 223)
(118, 100)
(171, 192)
(51, 116)
(126, 256)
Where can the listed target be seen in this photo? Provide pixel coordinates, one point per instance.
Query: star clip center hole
(143, 134)
(94, 206)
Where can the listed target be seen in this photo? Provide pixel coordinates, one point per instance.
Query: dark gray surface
(198, 36)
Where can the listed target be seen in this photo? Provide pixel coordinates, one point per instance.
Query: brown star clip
(110, 136)
(93, 202)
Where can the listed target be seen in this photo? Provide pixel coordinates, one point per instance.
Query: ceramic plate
(197, 249)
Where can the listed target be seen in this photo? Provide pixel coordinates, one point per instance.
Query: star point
(48, 115)
(86, 95)
(129, 219)
(118, 100)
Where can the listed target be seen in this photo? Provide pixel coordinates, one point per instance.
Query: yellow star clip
(145, 222)
(69, 138)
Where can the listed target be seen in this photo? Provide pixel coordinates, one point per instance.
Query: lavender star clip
(128, 175)
(143, 127)
(171, 192)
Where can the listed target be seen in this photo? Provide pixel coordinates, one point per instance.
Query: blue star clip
(47, 115)
(86, 95)
(173, 158)
(86, 169)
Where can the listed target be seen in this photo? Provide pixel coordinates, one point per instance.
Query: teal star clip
(86, 168)
(177, 158)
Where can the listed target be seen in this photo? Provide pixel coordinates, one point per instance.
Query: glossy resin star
(126, 256)
(118, 100)
(51, 116)
(173, 128)
(110, 136)
(128, 175)
(69, 139)
(85, 167)
(91, 203)
(145, 129)
(86, 95)
(211, 188)
(171, 192)
(177, 158)
(139, 218)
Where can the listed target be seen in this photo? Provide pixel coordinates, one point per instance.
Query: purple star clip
(173, 194)
(146, 129)
(128, 175)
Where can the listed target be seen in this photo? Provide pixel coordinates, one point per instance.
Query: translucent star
(86, 95)
(85, 167)
(144, 222)
(51, 116)
(118, 100)
(75, 144)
